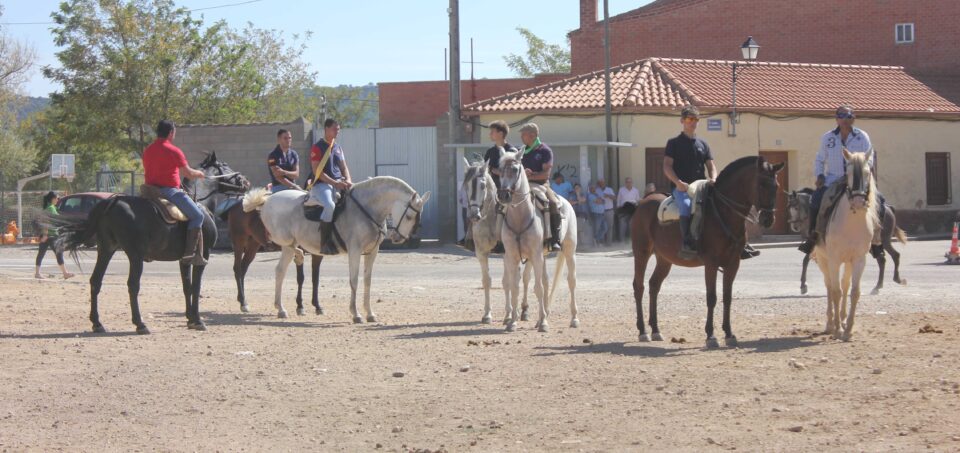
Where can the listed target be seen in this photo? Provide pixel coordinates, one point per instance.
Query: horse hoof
(245, 308)
(712, 343)
(282, 314)
(511, 327)
(319, 311)
(575, 323)
(197, 326)
(524, 316)
(143, 330)
(657, 336)
(301, 312)
(371, 318)
(644, 338)
(902, 281)
(543, 328)
(99, 329)
(506, 321)
(731, 342)
(803, 289)
(846, 336)
(486, 320)
(875, 291)
(357, 320)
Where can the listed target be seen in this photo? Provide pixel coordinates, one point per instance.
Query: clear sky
(356, 42)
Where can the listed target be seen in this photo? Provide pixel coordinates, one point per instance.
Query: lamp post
(749, 50)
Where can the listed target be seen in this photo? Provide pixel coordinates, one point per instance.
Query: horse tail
(254, 199)
(76, 233)
(901, 236)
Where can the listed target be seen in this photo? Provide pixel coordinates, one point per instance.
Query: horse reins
(381, 231)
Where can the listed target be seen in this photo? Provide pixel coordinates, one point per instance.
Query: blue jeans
(683, 202)
(323, 193)
(599, 226)
(278, 188)
(187, 205)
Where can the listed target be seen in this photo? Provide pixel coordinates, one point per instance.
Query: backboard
(62, 166)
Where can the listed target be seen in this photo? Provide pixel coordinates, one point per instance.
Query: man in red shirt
(162, 164)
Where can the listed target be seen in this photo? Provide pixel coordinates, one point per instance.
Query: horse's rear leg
(710, 278)
(660, 273)
(96, 282)
(241, 262)
(354, 265)
(195, 296)
(315, 278)
(286, 256)
(367, 275)
(133, 288)
(895, 255)
(300, 278)
(571, 261)
(803, 274)
(640, 259)
(524, 313)
(882, 262)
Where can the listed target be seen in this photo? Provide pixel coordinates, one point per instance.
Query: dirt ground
(429, 376)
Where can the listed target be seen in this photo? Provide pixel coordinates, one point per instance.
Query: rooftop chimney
(588, 13)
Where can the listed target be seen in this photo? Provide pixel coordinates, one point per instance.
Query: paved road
(768, 284)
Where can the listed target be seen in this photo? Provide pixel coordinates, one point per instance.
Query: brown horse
(247, 233)
(745, 183)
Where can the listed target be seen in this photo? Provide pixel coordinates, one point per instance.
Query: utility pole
(615, 170)
(454, 123)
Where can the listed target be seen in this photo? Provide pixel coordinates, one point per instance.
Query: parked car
(78, 205)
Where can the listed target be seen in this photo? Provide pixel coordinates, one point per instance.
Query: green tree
(16, 60)
(540, 58)
(351, 106)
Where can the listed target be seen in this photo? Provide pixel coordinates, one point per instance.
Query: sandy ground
(254, 382)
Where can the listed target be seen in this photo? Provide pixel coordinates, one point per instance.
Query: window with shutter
(938, 179)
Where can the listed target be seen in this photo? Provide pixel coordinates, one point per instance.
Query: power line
(189, 10)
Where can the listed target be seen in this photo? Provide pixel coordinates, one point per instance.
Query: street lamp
(748, 50)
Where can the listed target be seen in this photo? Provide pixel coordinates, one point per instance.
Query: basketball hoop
(62, 166)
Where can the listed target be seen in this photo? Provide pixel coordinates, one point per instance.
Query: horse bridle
(513, 191)
(737, 206)
(860, 188)
(396, 229)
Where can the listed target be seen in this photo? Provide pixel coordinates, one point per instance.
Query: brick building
(920, 35)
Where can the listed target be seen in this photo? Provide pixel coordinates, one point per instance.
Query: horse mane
(735, 166)
(381, 182)
(806, 190)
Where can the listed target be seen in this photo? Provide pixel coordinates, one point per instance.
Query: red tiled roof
(667, 84)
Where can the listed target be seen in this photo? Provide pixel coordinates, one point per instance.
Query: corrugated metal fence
(408, 153)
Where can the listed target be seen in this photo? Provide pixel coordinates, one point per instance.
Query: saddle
(668, 212)
(827, 206)
(312, 213)
(169, 212)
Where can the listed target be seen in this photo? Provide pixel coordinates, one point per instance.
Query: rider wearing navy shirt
(537, 162)
(283, 163)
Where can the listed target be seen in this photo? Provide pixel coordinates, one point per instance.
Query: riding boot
(555, 232)
(748, 252)
(688, 249)
(193, 248)
(327, 246)
(807, 246)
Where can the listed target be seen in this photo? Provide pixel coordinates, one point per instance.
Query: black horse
(134, 225)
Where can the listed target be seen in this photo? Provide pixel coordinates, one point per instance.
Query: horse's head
(798, 209)
(477, 183)
(512, 177)
(859, 179)
(405, 215)
(222, 177)
(767, 187)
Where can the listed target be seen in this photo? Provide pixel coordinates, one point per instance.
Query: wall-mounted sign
(714, 124)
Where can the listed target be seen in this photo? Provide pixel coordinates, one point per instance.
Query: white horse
(362, 226)
(849, 234)
(522, 235)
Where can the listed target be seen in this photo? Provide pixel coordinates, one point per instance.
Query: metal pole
(606, 71)
(445, 74)
(733, 112)
(454, 12)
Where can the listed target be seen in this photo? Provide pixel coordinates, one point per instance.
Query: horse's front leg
(195, 295)
(511, 284)
(710, 278)
(525, 308)
(484, 259)
(133, 287)
(660, 273)
(844, 291)
(286, 256)
(895, 255)
(858, 266)
(540, 287)
(354, 257)
(367, 275)
(803, 274)
(729, 275)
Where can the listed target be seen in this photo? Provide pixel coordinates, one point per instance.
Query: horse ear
(869, 156)
(466, 163)
(846, 154)
(502, 151)
(425, 198)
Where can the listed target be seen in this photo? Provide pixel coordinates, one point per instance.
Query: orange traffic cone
(953, 256)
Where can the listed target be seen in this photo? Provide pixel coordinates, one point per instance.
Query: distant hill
(31, 105)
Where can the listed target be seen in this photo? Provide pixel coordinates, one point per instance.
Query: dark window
(654, 164)
(938, 179)
(904, 33)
